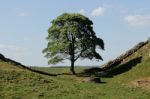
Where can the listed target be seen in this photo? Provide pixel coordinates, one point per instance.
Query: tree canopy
(71, 36)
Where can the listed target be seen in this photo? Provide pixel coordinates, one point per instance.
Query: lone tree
(71, 36)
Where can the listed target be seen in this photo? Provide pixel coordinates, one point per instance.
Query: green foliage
(71, 36)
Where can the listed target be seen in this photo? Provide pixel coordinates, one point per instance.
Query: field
(129, 80)
(16, 83)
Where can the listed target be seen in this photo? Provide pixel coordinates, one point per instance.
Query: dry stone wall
(119, 59)
(2, 58)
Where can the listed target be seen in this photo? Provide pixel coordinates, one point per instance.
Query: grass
(18, 83)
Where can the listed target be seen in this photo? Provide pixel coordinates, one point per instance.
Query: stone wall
(2, 58)
(119, 59)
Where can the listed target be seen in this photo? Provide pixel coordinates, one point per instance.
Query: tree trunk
(72, 67)
(72, 57)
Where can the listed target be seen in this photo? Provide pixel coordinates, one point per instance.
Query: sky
(24, 24)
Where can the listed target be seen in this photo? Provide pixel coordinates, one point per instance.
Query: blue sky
(24, 23)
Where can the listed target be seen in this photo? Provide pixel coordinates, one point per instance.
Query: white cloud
(98, 11)
(20, 12)
(138, 20)
(82, 11)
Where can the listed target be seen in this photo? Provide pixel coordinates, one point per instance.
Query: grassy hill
(19, 83)
(135, 66)
(128, 80)
(135, 69)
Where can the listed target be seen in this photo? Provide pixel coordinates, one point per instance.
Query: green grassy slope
(135, 66)
(18, 83)
(123, 81)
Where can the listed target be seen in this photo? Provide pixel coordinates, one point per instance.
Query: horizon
(24, 26)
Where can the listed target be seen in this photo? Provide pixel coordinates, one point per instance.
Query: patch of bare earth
(143, 83)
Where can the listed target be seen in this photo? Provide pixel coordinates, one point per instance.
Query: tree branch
(79, 54)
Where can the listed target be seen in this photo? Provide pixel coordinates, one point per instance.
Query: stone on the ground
(95, 79)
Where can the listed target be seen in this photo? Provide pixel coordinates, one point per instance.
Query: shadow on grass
(84, 73)
(89, 72)
(92, 71)
(125, 67)
(64, 74)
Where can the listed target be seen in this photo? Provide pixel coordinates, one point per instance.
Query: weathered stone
(95, 79)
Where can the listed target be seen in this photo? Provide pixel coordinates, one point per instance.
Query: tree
(71, 36)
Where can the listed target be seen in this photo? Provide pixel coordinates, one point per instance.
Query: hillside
(139, 59)
(134, 70)
(119, 60)
(17, 82)
(130, 79)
